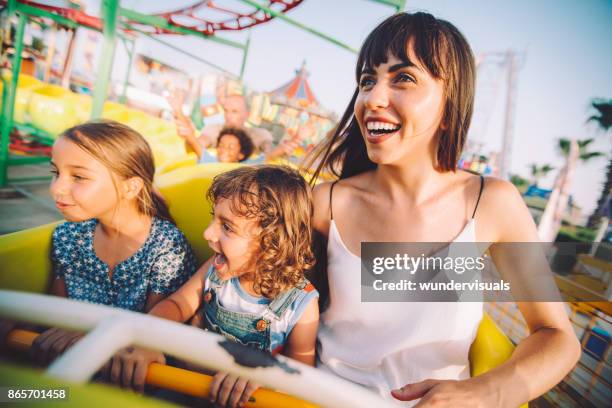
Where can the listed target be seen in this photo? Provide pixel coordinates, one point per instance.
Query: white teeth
(381, 126)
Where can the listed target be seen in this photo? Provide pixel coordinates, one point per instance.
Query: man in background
(235, 114)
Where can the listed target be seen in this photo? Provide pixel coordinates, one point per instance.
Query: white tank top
(385, 345)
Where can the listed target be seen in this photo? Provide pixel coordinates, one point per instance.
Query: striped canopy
(298, 90)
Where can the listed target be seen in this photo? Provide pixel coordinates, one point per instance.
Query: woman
(395, 154)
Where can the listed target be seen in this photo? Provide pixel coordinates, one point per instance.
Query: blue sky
(567, 61)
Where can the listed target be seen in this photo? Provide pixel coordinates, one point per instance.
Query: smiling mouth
(378, 129)
(378, 132)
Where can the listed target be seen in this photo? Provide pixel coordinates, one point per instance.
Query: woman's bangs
(393, 38)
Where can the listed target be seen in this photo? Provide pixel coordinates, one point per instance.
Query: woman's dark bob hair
(445, 53)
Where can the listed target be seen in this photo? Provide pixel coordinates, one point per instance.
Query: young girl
(395, 154)
(253, 290)
(119, 246)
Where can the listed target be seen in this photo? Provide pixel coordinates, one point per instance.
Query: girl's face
(82, 187)
(228, 149)
(233, 239)
(398, 110)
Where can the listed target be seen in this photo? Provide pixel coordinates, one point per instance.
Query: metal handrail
(112, 329)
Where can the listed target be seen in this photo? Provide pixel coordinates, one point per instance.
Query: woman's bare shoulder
(322, 194)
(504, 212)
(321, 214)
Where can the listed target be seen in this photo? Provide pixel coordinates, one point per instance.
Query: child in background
(119, 246)
(253, 289)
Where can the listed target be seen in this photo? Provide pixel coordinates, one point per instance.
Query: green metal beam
(283, 17)
(38, 12)
(110, 12)
(16, 161)
(160, 22)
(244, 56)
(130, 50)
(8, 99)
(194, 56)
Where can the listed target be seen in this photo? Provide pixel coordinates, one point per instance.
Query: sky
(565, 60)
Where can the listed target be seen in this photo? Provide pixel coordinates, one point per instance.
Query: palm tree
(538, 172)
(603, 119)
(584, 155)
(518, 181)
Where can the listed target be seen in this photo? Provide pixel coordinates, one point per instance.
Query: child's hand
(184, 127)
(229, 391)
(129, 366)
(51, 343)
(176, 100)
(6, 326)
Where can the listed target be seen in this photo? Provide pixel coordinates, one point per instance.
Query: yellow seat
(25, 255)
(25, 85)
(52, 109)
(490, 348)
(188, 160)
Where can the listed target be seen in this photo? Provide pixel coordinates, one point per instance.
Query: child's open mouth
(219, 261)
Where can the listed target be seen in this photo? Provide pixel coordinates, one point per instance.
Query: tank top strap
(479, 195)
(331, 191)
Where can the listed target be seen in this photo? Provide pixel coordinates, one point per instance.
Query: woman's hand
(449, 393)
(51, 343)
(229, 391)
(129, 366)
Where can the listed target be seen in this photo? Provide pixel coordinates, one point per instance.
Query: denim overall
(245, 328)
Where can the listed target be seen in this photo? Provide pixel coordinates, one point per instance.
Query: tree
(563, 146)
(603, 118)
(539, 172)
(518, 181)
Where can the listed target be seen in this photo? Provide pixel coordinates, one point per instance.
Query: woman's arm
(182, 304)
(301, 343)
(550, 351)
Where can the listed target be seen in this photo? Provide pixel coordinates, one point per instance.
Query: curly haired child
(253, 290)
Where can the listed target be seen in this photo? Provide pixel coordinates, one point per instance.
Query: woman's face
(398, 109)
(228, 149)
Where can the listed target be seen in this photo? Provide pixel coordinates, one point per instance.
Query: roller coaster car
(26, 267)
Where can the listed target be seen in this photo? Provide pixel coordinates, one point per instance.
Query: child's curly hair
(280, 200)
(246, 144)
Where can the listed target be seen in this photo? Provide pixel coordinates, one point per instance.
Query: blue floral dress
(163, 263)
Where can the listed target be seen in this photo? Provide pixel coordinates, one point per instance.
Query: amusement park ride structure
(118, 22)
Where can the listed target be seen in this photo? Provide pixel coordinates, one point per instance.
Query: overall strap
(331, 191)
(215, 282)
(280, 304)
(479, 194)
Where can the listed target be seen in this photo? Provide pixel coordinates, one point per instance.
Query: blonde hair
(280, 200)
(125, 153)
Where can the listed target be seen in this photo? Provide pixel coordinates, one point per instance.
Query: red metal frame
(238, 21)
